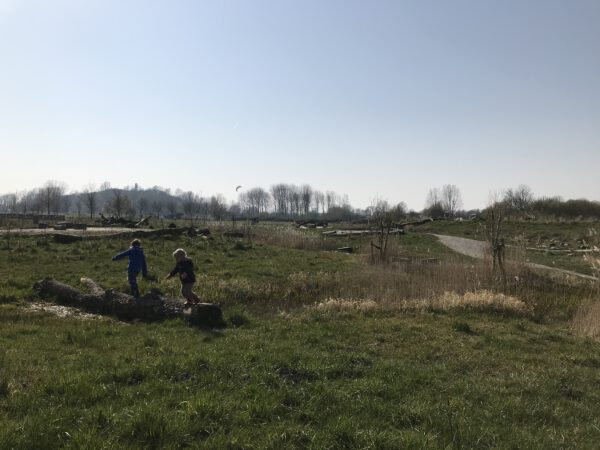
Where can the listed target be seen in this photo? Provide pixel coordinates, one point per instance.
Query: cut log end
(92, 286)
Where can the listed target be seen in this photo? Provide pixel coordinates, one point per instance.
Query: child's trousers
(132, 278)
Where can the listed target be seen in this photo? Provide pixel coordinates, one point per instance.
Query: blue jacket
(137, 260)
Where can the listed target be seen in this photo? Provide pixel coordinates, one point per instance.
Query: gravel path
(478, 249)
(469, 247)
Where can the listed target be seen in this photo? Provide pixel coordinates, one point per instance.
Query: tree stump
(151, 307)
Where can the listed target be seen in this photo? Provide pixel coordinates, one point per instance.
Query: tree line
(280, 201)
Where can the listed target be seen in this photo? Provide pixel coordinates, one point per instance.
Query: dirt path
(477, 249)
(464, 246)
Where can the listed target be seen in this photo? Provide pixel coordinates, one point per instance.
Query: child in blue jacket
(137, 263)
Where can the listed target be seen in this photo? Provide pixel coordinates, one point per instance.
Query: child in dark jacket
(137, 263)
(185, 268)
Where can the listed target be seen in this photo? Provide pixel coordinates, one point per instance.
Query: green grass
(313, 380)
(226, 267)
(284, 373)
(561, 260)
(216, 259)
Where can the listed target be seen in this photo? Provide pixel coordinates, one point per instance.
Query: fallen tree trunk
(151, 307)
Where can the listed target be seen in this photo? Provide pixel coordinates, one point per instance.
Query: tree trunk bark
(151, 307)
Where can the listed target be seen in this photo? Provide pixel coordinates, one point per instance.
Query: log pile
(122, 222)
(151, 307)
(311, 224)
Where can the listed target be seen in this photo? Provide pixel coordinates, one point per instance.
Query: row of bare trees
(444, 202)
(47, 199)
(280, 200)
(520, 201)
(289, 200)
(283, 200)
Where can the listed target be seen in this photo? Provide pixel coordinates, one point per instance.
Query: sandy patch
(65, 311)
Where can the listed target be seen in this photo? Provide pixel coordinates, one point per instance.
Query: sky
(378, 100)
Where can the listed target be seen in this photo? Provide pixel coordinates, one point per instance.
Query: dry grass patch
(593, 260)
(476, 301)
(481, 301)
(287, 236)
(587, 320)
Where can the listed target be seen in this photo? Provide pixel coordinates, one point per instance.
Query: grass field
(322, 350)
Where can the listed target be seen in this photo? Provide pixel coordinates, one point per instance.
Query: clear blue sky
(381, 99)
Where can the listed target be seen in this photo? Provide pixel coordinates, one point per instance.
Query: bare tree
(189, 201)
(90, 199)
(234, 211)
(294, 199)
(35, 200)
(385, 218)
(280, 195)
(263, 200)
(157, 207)
(65, 203)
(13, 202)
(142, 206)
(8, 202)
(330, 199)
(306, 198)
(172, 208)
(4, 203)
(451, 199)
(78, 204)
(120, 205)
(519, 199)
(245, 201)
(218, 207)
(204, 208)
(495, 215)
(433, 203)
(254, 201)
(51, 194)
(47, 197)
(319, 202)
(28, 201)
